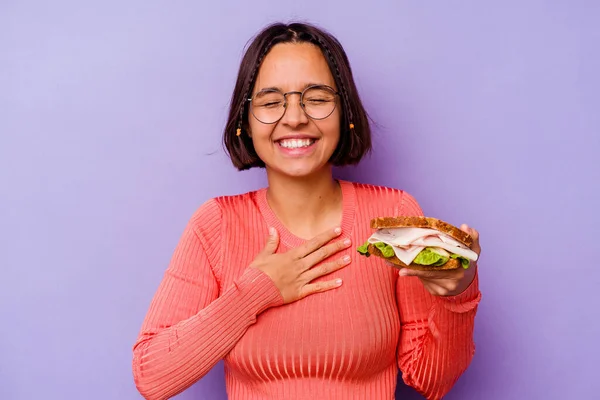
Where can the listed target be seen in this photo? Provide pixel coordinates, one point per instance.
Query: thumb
(272, 242)
(465, 228)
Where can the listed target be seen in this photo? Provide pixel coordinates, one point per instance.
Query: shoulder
(216, 211)
(207, 227)
(387, 199)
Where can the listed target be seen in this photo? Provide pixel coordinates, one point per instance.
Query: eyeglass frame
(301, 102)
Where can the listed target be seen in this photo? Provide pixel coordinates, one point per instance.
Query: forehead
(292, 66)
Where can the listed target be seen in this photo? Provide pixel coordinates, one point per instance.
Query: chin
(301, 170)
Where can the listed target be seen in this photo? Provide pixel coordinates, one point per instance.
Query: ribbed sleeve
(190, 326)
(436, 343)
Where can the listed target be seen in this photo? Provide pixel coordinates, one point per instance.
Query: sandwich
(421, 243)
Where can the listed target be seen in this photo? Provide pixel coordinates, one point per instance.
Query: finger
(316, 243)
(475, 235)
(472, 232)
(442, 286)
(272, 242)
(434, 289)
(466, 228)
(318, 287)
(326, 268)
(442, 274)
(439, 287)
(325, 252)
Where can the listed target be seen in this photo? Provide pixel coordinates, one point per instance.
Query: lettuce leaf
(386, 249)
(463, 261)
(364, 249)
(430, 257)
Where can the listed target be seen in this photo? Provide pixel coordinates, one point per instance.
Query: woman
(270, 280)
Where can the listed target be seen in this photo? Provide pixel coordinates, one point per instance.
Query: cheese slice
(409, 242)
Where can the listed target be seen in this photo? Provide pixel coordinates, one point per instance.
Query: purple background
(110, 121)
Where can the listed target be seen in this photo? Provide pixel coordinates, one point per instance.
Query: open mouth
(296, 143)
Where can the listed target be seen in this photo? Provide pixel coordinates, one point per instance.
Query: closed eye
(271, 104)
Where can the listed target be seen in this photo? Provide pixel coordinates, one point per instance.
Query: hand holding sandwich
(442, 256)
(449, 282)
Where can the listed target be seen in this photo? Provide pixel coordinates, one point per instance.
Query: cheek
(261, 139)
(259, 132)
(330, 127)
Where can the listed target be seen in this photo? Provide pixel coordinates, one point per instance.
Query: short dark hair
(354, 142)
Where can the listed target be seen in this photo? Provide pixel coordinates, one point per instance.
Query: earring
(238, 132)
(351, 125)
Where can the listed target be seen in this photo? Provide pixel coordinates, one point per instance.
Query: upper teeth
(295, 143)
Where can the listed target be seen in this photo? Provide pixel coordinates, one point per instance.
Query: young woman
(270, 280)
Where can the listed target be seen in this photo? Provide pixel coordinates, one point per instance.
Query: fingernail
(272, 231)
(347, 242)
(403, 272)
(346, 259)
(338, 282)
(338, 230)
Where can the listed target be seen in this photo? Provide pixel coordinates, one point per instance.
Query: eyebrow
(304, 87)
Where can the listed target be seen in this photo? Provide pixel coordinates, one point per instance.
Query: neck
(306, 206)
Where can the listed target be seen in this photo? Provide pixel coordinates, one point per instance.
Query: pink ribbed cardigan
(347, 343)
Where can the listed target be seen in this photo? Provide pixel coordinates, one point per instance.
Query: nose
(294, 114)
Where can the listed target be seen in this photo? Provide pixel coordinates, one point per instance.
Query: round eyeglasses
(269, 105)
